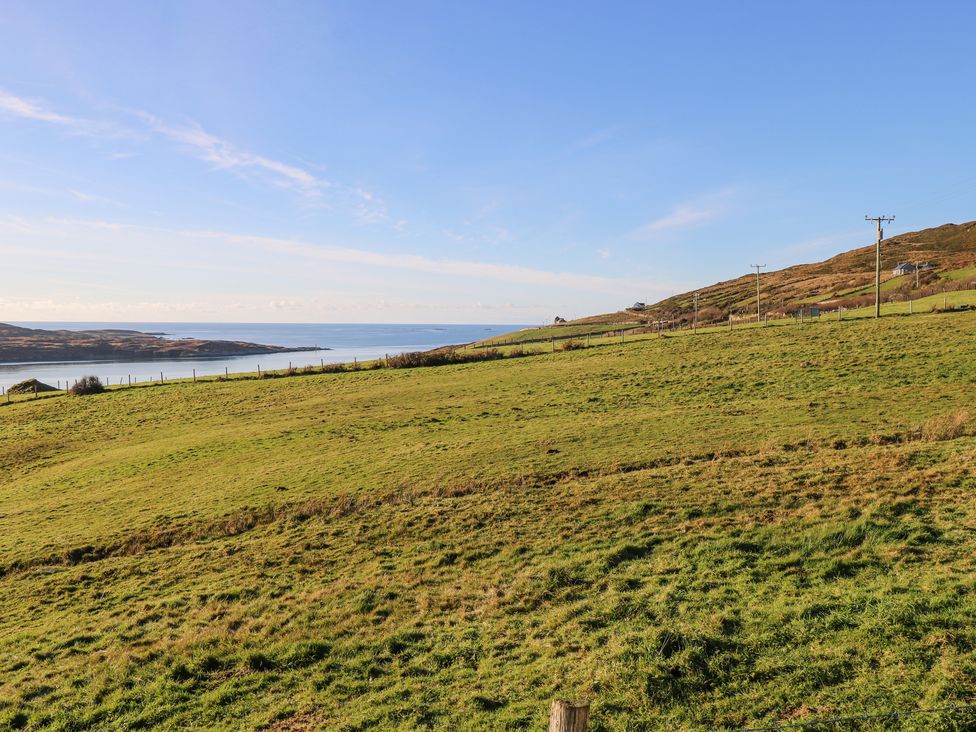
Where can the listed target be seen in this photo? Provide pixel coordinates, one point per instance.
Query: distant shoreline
(20, 345)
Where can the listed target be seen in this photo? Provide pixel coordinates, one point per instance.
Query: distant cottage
(559, 320)
(905, 268)
(638, 306)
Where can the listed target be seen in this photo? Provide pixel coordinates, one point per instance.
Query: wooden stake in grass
(566, 716)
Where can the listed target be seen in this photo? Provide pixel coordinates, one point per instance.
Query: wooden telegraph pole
(758, 267)
(877, 260)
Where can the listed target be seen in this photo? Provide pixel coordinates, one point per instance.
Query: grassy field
(530, 335)
(772, 524)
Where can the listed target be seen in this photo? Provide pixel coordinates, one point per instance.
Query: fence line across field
(660, 328)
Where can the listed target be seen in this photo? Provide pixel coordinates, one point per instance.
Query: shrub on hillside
(87, 385)
(441, 358)
(572, 345)
(30, 386)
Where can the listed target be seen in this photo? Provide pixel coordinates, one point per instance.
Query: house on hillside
(557, 320)
(638, 306)
(903, 268)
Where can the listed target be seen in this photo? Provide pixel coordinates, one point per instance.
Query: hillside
(772, 524)
(842, 279)
(22, 345)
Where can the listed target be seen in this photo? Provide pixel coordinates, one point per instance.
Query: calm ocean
(344, 341)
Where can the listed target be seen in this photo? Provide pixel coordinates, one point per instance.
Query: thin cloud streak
(453, 267)
(67, 229)
(225, 156)
(681, 217)
(705, 208)
(205, 146)
(30, 109)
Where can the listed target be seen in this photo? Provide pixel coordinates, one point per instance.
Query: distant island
(18, 345)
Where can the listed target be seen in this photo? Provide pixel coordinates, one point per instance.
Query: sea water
(344, 341)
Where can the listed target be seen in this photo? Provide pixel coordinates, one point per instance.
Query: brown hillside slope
(948, 247)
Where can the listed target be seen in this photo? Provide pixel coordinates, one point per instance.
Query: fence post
(909, 306)
(730, 322)
(552, 345)
(566, 716)
(194, 376)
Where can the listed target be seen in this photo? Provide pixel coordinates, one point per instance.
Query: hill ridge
(839, 280)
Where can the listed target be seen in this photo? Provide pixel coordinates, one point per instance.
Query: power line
(877, 263)
(758, 267)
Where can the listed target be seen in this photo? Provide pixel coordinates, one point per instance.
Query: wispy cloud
(685, 215)
(597, 137)
(31, 109)
(12, 105)
(192, 139)
(681, 217)
(226, 156)
(453, 267)
(72, 229)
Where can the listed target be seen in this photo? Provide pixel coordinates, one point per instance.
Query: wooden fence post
(565, 716)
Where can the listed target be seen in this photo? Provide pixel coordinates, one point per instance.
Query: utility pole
(877, 260)
(758, 267)
(694, 325)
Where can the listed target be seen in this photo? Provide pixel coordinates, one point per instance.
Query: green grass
(887, 285)
(964, 273)
(694, 532)
(531, 335)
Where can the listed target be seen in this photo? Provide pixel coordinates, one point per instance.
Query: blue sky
(460, 162)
